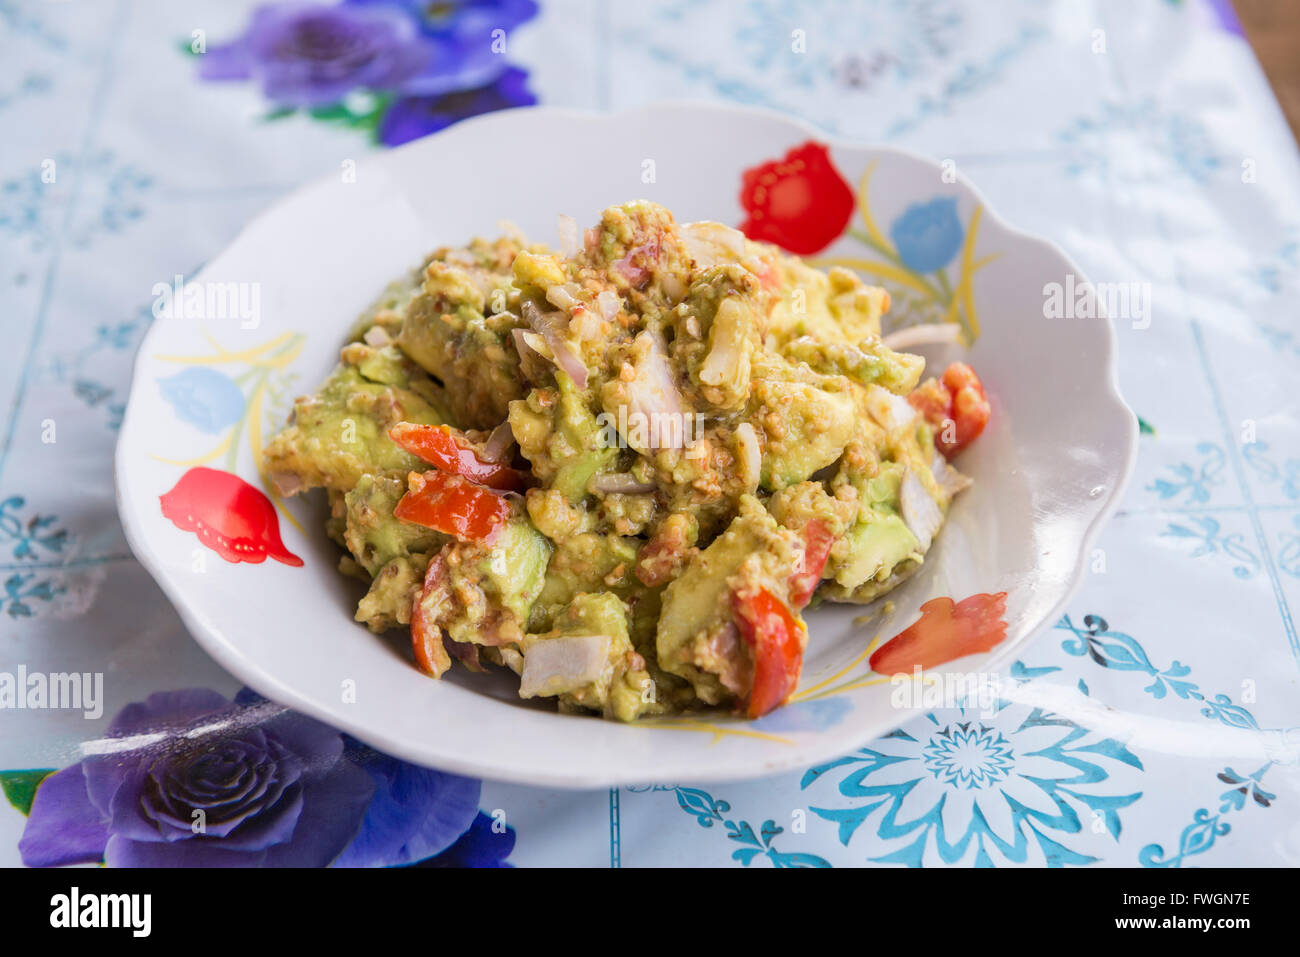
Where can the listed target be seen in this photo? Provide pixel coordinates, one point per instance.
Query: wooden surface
(1273, 29)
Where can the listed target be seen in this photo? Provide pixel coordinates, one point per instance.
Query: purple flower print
(465, 34)
(416, 812)
(411, 117)
(199, 781)
(308, 54)
(465, 20)
(415, 67)
(485, 844)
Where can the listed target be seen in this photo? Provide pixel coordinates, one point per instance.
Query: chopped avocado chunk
(698, 603)
(873, 548)
(515, 566)
(881, 490)
(447, 333)
(807, 428)
(482, 593)
(797, 505)
(835, 306)
(341, 433)
(878, 539)
(588, 562)
(561, 437)
(388, 603)
(372, 534)
(870, 362)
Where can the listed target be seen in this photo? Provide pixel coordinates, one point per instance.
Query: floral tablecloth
(139, 135)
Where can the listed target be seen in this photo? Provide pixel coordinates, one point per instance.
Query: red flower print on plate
(229, 516)
(801, 202)
(944, 631)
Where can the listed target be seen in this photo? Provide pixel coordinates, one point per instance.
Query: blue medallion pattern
(969, 755)
(958, 789)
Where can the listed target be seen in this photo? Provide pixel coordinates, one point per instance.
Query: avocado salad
(622, 469)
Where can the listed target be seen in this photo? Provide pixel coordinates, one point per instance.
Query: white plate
(1047, 471)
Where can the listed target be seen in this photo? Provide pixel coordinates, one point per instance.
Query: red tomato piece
(933, 401)
(438, 445)
(454, 505)
(776, 638)
(817, 549)
(955, 405)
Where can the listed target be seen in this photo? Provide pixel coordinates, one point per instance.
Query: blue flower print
(928, 235)
(205, 398)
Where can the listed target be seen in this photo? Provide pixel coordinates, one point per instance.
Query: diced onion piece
(949, 479)
(287, 483)
(552, 328)
(639, 262)
(930, 334)
(609, 305)
(585, 324)
(620, 483)
(570, 236)
(557, 665)
(726, 345)
(652, 395)
(920, 513)
(377, 336)
(534, 353)
(483, 283)
(635, 275)
(563, 297)
(533, 343)
(711, 244)
(751, 456)
(673, 287)
(892, 411)
(499, 443)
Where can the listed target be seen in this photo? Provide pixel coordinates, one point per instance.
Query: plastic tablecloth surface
(1140, 136)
